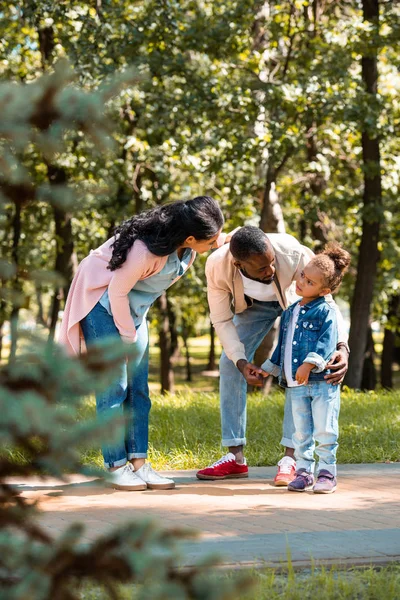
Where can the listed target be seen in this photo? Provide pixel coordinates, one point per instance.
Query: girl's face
(202, 246)
(311, 283)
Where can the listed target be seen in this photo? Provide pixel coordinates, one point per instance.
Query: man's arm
(219, 300)
(339, 363)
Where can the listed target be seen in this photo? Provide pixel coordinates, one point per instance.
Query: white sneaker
(153, 480)
(124, 478)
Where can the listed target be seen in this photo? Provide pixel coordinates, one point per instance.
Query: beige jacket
(226, 294)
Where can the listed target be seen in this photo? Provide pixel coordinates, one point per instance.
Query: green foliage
(232, 92)
(331, 584)
(40, 394)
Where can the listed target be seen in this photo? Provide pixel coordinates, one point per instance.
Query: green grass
(326, 584)
(185, 429)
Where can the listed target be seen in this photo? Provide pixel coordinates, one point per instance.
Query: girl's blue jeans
(315, 409)
(128, 396)
(252, 326)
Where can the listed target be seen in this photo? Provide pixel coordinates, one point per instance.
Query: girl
(307, 340)
(110, 296)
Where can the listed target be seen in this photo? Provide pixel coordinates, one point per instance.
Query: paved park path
(248, 521)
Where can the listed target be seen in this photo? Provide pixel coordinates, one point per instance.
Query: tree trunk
(212, 365)
(369, 379)
(64, 264)
(271, 220)
(316, 184)
(173, 332)
(1, 339)
(16, 228)
(40, 318)
(166, 372)
(389, 342)
(372, 200)
(187, 353)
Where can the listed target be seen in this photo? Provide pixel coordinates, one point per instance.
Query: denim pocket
(311, 330)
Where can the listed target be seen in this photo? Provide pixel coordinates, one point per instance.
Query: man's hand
(339, 363)
(252, 374)
(303, 373)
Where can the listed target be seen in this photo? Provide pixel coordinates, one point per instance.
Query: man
(255, 277)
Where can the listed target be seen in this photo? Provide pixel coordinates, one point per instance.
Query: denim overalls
(129, 395)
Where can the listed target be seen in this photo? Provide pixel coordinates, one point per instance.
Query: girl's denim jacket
(314, 340)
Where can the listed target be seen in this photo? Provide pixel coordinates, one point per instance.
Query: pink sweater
(93, 278)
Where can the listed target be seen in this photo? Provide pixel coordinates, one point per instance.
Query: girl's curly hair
(333, 262)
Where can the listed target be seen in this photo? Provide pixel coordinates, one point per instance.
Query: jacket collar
(311, 304)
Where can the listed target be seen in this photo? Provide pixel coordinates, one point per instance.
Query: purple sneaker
(302, 482)
(326, 483)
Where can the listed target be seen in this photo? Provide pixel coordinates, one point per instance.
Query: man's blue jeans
(315, 409)
(252, 326)
(128, 396)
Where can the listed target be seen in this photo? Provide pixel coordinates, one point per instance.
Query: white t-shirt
(287, 357)
(262, 292)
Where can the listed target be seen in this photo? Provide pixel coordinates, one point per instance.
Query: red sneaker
(225, 468)
(286, 471)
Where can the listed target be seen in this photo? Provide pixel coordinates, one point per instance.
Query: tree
(372, 203)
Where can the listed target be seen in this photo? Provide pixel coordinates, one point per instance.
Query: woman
(111, 294)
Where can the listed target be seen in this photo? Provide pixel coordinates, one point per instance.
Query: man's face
(259, 267)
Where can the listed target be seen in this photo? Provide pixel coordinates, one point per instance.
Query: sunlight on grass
(185, 429)
(326, 584)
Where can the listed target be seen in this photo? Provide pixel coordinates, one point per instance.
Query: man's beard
(265, 281)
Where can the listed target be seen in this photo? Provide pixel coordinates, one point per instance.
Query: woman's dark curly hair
(165, 228)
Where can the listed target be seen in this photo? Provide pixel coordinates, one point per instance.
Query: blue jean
(252, 326)
(315, 409)
(128, 396)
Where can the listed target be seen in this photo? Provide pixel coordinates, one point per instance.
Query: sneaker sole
(282, 483)
(216, 477)
(325, 491)
(306, 489)
(128, 488)
(161, 486)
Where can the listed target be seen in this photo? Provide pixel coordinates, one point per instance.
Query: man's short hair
(248, 241)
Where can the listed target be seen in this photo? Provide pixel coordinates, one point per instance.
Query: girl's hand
(303, 373)
(251, 373)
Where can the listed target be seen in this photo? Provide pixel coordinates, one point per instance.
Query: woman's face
(202, 246)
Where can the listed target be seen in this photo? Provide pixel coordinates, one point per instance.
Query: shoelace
(285, 467)
(127, 467)
(147, 468)
(222, 460)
